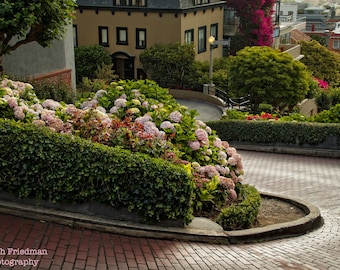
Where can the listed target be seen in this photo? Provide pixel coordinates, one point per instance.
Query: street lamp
(211, 41)
(327, 33)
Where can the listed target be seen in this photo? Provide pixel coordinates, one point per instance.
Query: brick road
(316, 180)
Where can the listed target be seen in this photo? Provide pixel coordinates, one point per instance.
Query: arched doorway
(124, 65)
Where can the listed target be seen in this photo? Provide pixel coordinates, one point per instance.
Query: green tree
(88, 59)
(42, 21)
(323, 63)
(171, 64)
(268, 76)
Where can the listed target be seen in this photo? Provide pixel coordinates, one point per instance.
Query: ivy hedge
(276, 132)
(38, 163)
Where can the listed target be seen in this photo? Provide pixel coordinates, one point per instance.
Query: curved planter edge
(208, 234)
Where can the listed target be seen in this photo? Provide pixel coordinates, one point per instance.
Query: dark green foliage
(268, 76)
(323, 63)
(59, 91)
(325, 99)
(22, 22)
(329, 116)
(169, 65)
(243, 214)
(38, 163)
(258, 132)
(88, 59)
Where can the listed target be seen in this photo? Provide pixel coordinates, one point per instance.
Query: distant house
(31, 61)
(127, 27)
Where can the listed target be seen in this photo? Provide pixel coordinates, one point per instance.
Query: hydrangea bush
(142, 117)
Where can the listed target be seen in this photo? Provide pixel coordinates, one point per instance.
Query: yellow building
(127, 27)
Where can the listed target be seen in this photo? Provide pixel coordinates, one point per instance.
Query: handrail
(240, 102)
(222, 95)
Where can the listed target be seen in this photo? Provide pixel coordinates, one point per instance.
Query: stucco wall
(31, 60)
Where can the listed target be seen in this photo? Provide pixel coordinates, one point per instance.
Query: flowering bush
(322, 84)
(142, 117)
(256, 20)
(262, 116)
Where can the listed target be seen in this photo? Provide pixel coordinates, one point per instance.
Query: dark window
(140, 38)
(202, 39)
(75, 36)
(189, 36)
(138, 3)
(103, 36)
(122, 35)
(214, 32)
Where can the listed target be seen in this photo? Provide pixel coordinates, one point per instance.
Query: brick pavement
(312, 179)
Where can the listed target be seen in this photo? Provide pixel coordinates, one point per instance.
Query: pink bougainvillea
(322, 84)
(255, 20)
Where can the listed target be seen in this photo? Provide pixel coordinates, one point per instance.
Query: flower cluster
(256, 20)
(322, 84)
(262, 116)
(142, 117)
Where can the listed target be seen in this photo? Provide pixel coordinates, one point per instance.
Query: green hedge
(244, 214)
(38, 163)
(273, 132)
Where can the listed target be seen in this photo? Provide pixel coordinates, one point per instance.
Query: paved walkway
(206, 111)
(308, 178)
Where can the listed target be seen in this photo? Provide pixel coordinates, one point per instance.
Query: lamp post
(327, 33)
(211, 41)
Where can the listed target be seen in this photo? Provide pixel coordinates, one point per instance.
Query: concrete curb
(200, 230)
(315, 152)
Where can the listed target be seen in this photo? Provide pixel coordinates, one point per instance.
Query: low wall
(64, 75)
(193, 95)
(308, 107)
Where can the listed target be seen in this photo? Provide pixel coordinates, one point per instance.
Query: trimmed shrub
(244, 214)
(274, 132)
(38, 163)
(88, 59)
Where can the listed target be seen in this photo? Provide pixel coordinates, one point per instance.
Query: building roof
(151, 4)
(296, 36)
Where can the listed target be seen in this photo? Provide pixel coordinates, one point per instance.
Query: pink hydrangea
(47, 116)
(19, 113)
(226, 183)
(225, 144)
(218, 143)
(71, 109)
(194, 145)
(222, 170)
(176, 116)
(145, 104)
(209, 170)
(89, 104)
(232, 161)
(202, 135)
(232, 195)
(222, 155)
(12, 102)
(231, 151)
(143, 119)
(120, 103)
(135, 92)
(51, 104)
(150, 128)
(167, 125)
(39, 123)
(100, 93)
(114, 109)
(200, 123)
